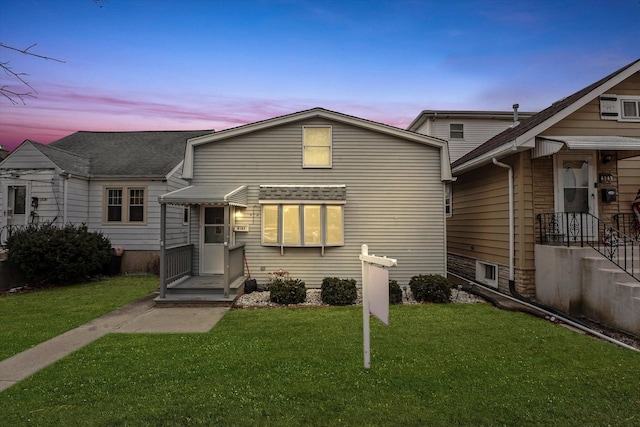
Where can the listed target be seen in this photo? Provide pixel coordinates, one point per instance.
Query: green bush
(430, 288)
(50, 255)
(290, 291)
(395, 293)
(335, 291)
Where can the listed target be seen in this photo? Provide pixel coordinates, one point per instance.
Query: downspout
(511, 222)
(65, 197)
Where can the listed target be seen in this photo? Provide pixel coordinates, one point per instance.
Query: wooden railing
(236, 262)
(178, 262)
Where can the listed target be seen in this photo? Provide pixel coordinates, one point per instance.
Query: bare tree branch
(10, 94)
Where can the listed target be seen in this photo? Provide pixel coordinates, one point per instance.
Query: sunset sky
(172, 65)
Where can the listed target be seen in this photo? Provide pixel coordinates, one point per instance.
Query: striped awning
(547, 145)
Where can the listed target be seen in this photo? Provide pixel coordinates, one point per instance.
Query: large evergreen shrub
(335, 291)
(289, 291)
(50, 255)
(430, 288)
(395, 293)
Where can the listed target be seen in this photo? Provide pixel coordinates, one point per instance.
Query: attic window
(620, 108)
(456, 131)
(316, 146)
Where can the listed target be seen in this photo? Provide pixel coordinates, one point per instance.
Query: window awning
(207, 195)
(336, 194)
(547, 145)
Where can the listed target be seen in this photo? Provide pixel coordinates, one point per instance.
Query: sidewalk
(141, 316)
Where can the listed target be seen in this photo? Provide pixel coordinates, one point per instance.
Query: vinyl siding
(77, 200)
(586, 121)
(130, 237)
(476, 132)
(628, 182)
(26, 156)
(394, 202)
(479, 226)
(41, 184)
(177, 232)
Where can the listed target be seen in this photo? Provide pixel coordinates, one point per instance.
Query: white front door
(212, 238)
(17, 205)
(576, 193)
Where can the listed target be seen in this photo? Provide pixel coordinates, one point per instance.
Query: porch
(586, 267)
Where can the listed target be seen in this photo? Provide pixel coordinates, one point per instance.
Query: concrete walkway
(141, 316)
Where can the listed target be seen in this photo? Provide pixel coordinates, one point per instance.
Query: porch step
(199, 300)
(199, 291)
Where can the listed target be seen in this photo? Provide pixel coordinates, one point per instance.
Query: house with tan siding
(109, 181)
(298, 195)
(543, 209)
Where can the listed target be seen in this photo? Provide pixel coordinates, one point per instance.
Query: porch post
(163, 237)
(227, 240)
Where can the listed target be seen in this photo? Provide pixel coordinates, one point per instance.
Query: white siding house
(465, 130)
(109, 181)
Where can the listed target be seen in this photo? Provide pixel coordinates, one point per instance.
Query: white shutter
(609, 107)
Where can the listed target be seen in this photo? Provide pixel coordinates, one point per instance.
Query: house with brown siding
(543, 209)
(298, 195)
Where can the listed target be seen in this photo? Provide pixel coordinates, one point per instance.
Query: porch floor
(201, 290)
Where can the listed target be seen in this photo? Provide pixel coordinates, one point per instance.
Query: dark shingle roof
(533, 121)
(303, 192)
(65, 160)
(123, 153)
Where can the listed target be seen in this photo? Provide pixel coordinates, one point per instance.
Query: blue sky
(160, 64)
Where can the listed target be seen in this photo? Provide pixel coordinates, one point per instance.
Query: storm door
(212, 238)
(17, 205)
(575, 192)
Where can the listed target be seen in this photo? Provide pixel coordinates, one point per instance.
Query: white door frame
(212, 254)
(591, 158)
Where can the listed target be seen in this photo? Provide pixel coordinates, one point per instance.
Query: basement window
(487, 273)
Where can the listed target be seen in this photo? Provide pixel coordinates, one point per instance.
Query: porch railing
(628, 224)
(178, 262)
(576, 228)
(7, 230)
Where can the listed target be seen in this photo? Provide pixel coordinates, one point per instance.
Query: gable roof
(149, 153)
(523, 135)
(438, 143)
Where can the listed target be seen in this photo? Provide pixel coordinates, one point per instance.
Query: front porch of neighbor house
(212, 270)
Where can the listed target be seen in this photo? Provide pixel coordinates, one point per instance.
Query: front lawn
(436, 365)
(31, 318)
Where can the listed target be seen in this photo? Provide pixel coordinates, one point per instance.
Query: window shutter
(609, 107)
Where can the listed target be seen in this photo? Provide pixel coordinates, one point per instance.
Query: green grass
(436, 365)
(31, 318)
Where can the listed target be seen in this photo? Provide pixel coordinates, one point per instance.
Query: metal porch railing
(628, 224)
(580, 229)
(178, 262)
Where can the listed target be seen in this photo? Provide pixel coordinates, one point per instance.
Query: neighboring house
(564, 176)
(301, 193)
(465, 130)
(3, 152)
(109, 181)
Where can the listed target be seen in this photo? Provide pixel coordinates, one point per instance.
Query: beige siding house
(560, 180)
(301, 193)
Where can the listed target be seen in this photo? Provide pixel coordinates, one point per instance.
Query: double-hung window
(125, 205)
(456, 130)
(316, 147)
(630, 109)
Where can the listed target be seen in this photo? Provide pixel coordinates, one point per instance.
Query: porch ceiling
(207, 195)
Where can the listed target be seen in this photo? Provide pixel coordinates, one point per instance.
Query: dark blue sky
(160, 64)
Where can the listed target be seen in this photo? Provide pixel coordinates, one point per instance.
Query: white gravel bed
(261, 299)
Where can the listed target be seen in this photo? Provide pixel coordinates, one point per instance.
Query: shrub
(430, 288)
(289, 291)
(395, 293)
(50, 255)
(335, 291)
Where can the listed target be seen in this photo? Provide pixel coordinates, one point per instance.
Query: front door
(212, 238)
(17, 205)
(575, 190)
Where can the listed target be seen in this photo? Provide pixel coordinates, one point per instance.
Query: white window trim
(125, 204)
(448, 201)
(636, 100)
(480, 273)
(330, 165)
(323, 225)
(186, 213)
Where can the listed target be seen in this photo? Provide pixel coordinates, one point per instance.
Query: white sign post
(375, 294)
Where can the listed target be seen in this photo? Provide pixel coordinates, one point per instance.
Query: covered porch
(209, 267)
